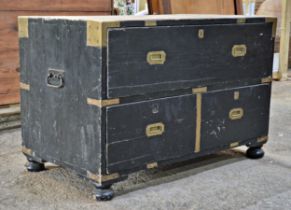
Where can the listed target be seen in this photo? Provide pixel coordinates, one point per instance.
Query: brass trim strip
(241, 21)
(234, 144)
(103, 103)
(266, 80)
(262, 139)
(102, 178)
(152, 165)
(24, 86)
(94, 34)
(150, 23)
(198, 122)
(199, 90)
(23, 27)
(26, 150)
(97, 32)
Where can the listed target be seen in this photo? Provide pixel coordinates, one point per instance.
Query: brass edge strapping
(150, 23)
(24, 86)
(241, 21)
(97, 32)
(199, 90)
(262, 139)
(103, 103)
(274, 27)
(94, 34)
(152, 165)
(26, 150)
(23, 27)
(198, 122)
(102, 178)
(234, 144)
(266, 79)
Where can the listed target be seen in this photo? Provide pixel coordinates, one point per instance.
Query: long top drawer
(152, 59)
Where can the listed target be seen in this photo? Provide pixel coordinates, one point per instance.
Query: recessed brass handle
(239, 50)
(236, 113)
(155, 129)
(156, 57)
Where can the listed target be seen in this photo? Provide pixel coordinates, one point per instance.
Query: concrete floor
(223, 181)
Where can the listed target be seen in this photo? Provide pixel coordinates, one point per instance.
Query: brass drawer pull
(239, 50)
(156, 57)
(236, 113)
(155, 129)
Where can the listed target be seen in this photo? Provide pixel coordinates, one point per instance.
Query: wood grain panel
(56, 5)
(154, 7)
(9, 61)
(203, 7)
(192, 7)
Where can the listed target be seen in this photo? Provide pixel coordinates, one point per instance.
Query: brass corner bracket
(24, 86)
(23, 27)
(97, 32)
(103, 103)
(102, 178)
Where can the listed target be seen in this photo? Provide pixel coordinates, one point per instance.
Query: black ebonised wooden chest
(107, 96)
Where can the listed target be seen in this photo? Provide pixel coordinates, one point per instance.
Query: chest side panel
(58, 123)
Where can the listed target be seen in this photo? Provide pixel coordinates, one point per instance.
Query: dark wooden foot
(255, 152)
(33, 166)
(104, 193)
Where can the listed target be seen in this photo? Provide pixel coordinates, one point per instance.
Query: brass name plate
(236, 113)
(155, 129)
(156, 57)
(239, 50)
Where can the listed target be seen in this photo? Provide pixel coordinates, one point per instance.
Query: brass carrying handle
(236, 113)
(156, 57)
(155, 129)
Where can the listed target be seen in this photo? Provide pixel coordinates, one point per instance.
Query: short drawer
(144, 132)
(234, 115)
(151, 59)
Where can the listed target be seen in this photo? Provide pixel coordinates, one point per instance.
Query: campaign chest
(107, 96)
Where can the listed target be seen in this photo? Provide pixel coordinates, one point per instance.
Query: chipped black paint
(59, 126)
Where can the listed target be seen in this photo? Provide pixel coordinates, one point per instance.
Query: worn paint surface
(61, 127)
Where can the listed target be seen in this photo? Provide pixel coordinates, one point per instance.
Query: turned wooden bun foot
(33, 166)
(104, 193)
(255, 153)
